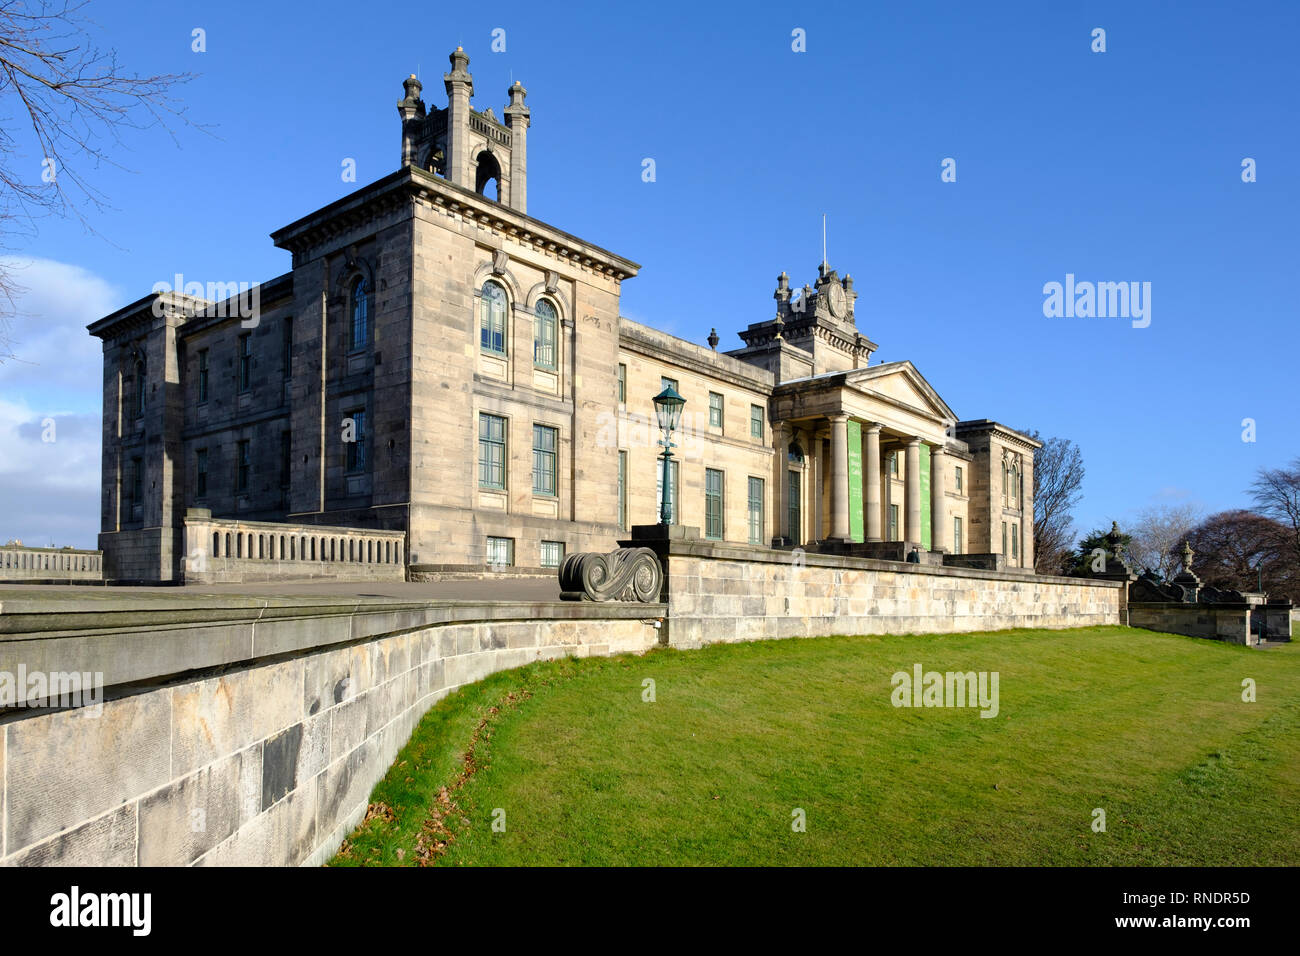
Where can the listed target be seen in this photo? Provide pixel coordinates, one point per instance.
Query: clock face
(835, 299)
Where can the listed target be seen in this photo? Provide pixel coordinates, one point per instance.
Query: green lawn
(1149, 727)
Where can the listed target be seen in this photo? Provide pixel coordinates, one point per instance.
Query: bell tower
(472, 149)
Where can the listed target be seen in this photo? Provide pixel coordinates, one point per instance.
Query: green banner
(926, 539)
(855, 480)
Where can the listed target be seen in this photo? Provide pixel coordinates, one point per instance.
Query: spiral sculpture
(628, 574)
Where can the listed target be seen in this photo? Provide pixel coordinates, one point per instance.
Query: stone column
(839, 477)
(912, 493)
(871, 465)
(781, 441)
(816, 470)
(938, 504)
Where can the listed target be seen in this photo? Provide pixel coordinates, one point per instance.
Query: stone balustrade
(19, 563)
(229, 550)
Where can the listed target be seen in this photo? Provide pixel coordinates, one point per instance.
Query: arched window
(544, 334)
(492, 318)
(796, 453)
(1015, 486)
(360, 314)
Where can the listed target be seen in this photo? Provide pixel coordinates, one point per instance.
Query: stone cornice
(1003, 433)
(694, 358)
(410, 183)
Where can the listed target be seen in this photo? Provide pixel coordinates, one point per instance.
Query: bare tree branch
(1058, 482)
(74, 103)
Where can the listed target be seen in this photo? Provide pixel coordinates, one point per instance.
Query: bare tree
(1242, 550)
(1157, 538)
(1277, 496)
(1058, 480)
(72, 102)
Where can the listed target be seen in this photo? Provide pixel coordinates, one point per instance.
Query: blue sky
(1115, 166)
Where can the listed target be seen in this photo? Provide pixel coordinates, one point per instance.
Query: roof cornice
(410, 183)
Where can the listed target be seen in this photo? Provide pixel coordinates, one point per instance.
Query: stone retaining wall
(720, 592)
(268, 753)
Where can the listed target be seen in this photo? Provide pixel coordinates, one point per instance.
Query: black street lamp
(668, 410)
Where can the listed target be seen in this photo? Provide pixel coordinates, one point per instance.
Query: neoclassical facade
(438, 362)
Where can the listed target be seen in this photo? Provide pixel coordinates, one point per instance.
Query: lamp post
(668, 410)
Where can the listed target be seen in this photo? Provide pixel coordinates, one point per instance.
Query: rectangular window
(203, 375)
(201, 473)
(245, 362)
(712, 503)
(622, 490)
(674, 486)
(545, 455)
(1004, 537)
(286, 349)
(755, 510)
(715, 410)
(241, 467)
(491, 451)
(552, 554)
(622, 384)
(666, 382)
(893, 522)
(1015, 542)
(357, 446)
(501, 551)
(137, 484)
(957, 473)
(893, 464)
(756, 422)
(956, 535)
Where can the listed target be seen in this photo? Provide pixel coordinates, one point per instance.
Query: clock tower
(814, 330)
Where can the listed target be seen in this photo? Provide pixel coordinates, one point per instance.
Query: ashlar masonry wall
(268, 755)
(719, 592)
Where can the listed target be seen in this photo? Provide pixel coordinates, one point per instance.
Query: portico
(863, 456)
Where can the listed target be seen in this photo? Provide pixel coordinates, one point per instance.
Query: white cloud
(57, 362)
(52, 389)
(49, 490)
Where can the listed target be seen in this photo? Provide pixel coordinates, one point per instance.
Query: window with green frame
(715, 410)
(492, 318)
(713, 488)
(756, 422)
(546, 442)
(491, 451)
(545, 324)
(755, 510)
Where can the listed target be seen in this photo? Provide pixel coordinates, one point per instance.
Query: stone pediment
(902, 383)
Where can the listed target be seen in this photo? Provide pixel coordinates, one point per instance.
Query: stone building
(438, 362)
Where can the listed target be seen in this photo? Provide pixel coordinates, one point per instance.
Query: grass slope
(1149, 727)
